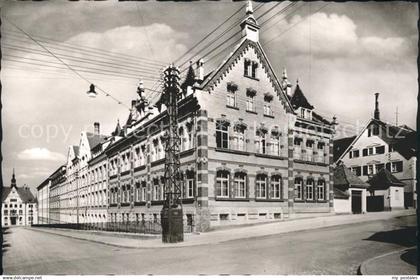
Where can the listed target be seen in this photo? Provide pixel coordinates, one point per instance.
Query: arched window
(261, 186)
(299, 188)
(309, 189)
(156, 189)
(240, 184)
(276, 187)
(143, 190)
(320, 189)
(138, 192)
(222, 183)
(275, 142)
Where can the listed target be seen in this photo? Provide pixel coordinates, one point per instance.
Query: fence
(142, 227)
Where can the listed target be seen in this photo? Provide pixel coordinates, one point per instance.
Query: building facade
(57, 180)
(251, 148)
(19, 206)
(382, 145)
(43, 194)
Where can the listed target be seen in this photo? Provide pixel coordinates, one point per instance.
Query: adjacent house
(349, 191)
(388, 189)
(382, 145)
(19, 206)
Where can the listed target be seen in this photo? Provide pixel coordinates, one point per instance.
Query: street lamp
(92, 93)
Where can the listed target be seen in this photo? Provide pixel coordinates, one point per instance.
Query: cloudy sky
(342, 53)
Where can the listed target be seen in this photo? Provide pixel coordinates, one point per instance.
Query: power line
(92, 54)
(78, 74)
(91, 49)
(209, 34)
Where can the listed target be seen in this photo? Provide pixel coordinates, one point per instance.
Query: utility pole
(172, 214)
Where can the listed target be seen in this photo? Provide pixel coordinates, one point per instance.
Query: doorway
(13, 221)
(356, 202)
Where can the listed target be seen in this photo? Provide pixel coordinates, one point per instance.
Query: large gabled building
(19, 206)
(382, 145)
(252, 149)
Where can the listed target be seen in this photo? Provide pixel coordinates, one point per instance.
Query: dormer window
(306, 113)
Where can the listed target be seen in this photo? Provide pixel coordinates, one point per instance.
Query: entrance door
(13, 221)
(356, 202)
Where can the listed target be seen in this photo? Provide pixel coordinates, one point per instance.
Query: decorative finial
(297, 82)
(249, 10)
(284, 73)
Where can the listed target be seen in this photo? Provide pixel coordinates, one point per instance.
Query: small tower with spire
(286, 86)
(249, 26)
(13, 181)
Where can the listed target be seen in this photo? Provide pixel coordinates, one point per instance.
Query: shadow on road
(405, 236)
(410, 256)
(4, 247)
(5, 231)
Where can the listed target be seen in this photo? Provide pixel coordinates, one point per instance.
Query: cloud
(40, 154)
(332, 36)
(157, 41)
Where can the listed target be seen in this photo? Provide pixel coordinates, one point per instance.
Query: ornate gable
(232, 61)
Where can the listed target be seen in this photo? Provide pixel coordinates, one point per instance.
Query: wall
(342, 205)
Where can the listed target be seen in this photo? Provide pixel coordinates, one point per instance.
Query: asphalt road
(333, 250)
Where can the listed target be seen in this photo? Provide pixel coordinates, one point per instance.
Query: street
(332, 250)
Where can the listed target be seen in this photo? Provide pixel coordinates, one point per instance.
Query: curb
(210, 242)
(362, 267)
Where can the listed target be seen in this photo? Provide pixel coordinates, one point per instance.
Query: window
(320, 190)
(261, 186)
(297, 141)
(357, 170)
(222, 183)
(250, 94)
(240, 184)
(370, 169)
(222, 134)
(6, 212)
(138, 192)
(231, 98)
(380, 150)
(309, 143)
(396, 166)
(397, 195)
(379, 167)
(5, 205)
(298, 188)
(239, 137)
(276, 187)
(260, 141)
(247, 64)
(391, 148)
(183, 139)
(275, 143)
(157, 192)
(250, 103)
(143, 191)
(254, 69)
(189, 191)
(310, 189)
(321, 145)
(267, 108)
(354, 154)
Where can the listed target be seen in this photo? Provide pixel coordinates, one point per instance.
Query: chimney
(376, 113)
(200, 70)
(96, 128)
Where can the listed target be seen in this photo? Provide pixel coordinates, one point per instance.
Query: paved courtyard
(332, 250)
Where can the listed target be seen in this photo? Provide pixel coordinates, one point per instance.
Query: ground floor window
(222, 183)
(240, 184)
(261, 186)
(299, 188)
(321, 190)
(276, 187)
(310, 189)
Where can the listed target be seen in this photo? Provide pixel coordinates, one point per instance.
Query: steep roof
(189, 79)
(95, 139)
(216, 75)
(402, 138)
(344, 179)
(24, 193)
(340, 194)
(299, 100)
(340, 146)
(383, 180)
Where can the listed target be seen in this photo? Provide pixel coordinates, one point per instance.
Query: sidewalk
(214, 237)
(401, 262)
